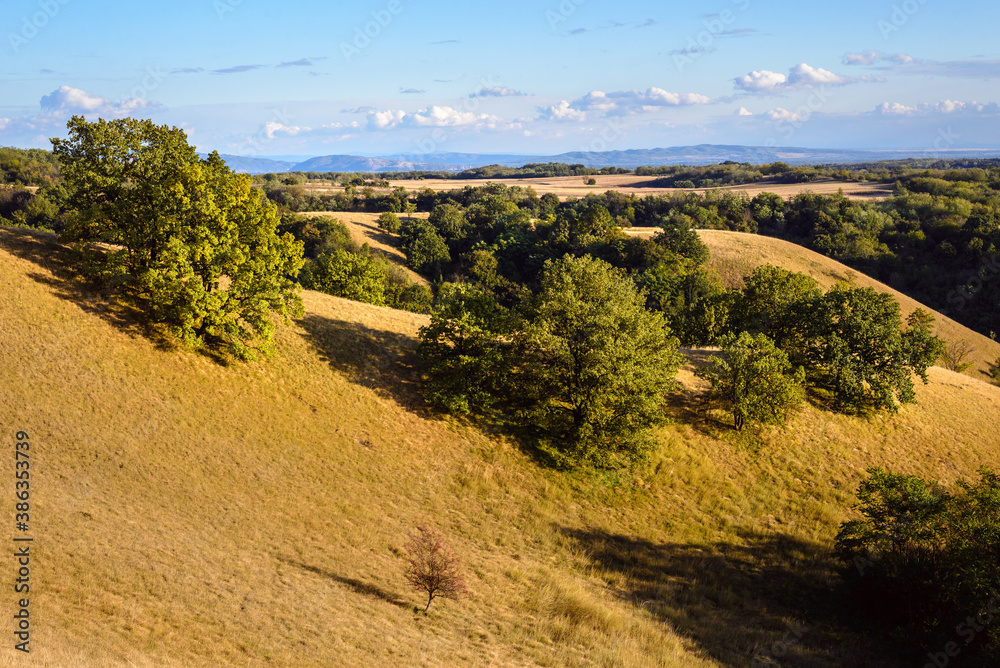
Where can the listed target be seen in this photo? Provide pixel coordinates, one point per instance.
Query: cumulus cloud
(444, 117)
(742, 111)
(66, 101)
(871, 57)
(272, 130)
(431, 117)
(804, 76)
(72, 99)
(766, 82)
(56, 107)
(621, 103)
(498, 91)
(941, 107)
(761, 81)
(780, 114)
(563, 112)
(382, 120)
(894, 109)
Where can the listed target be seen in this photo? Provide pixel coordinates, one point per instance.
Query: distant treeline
(529, 171)
(937, 238)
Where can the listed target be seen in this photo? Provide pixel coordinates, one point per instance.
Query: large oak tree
(194, 243)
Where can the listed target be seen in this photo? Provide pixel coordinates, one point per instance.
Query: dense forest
(936, 238)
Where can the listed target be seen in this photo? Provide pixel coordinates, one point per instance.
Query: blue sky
(380, 77)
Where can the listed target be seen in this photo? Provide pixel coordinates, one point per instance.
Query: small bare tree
(955, 354)
(433, 568)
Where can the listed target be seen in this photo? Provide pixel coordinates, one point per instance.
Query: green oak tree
(776, 302)
(596, 364)
(193, 243)
(389, 222)
(754, 380)
(465, 350)
(426, 251)
(858, 349)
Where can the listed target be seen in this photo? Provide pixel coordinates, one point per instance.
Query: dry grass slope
(364, 229)
(192, 514)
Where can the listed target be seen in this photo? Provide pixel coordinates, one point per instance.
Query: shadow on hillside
(692, 406)
(770, 600)
(380, 236)
(385, 362)
(363, 588)
(44, 250)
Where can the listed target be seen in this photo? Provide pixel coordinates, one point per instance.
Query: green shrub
(348, 275)
(389, 222)
(924, 563)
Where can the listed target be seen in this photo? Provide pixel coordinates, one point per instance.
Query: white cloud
(870, 57)
(444, 117)
(621, 103)
(4, 122)
(780, 114)
(742, 111)
(942, 107)
(761, 81)
(67, 100)
(272, 129)
(431, 117)
(766, 82)
(385, 119)
(564, 112)
(804, 76)
(72, 99)
(657, 97)
(498, 91)
(894, 109)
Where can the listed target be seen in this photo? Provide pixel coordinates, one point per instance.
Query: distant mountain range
(704, 154)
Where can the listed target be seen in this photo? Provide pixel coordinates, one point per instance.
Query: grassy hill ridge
(188, 513)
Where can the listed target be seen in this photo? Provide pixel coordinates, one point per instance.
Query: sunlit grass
(193, 514)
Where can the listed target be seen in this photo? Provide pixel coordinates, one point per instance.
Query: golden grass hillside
(364, 230)
(735, 254)
(187, 513)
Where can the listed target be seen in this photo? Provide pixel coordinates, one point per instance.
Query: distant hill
(703, 154)
(356, 163)
(250, 165)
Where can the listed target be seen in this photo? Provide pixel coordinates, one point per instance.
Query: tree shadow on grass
(694, 407)
(385, 362)
(359, 587)
(58, 273)
(768, 600)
